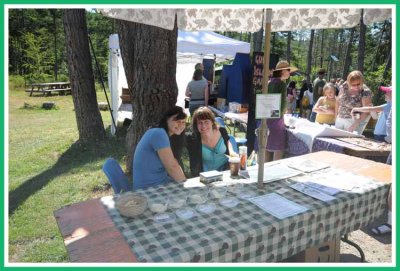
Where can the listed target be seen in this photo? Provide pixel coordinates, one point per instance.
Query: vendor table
(245, 233)
(233, 117)
(360, 147)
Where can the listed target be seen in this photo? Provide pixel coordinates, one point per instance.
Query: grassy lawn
(48, 170)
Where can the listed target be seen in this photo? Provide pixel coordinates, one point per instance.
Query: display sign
(268, 106)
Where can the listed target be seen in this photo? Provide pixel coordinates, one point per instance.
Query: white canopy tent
(192, 48)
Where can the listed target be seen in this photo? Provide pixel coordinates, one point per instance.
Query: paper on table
(340, 179)
(274, 172)
(277, 205)
(307, 165)
(312, 192)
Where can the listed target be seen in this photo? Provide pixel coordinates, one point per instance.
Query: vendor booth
(193, 47)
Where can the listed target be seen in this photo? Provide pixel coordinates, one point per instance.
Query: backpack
(305, 101)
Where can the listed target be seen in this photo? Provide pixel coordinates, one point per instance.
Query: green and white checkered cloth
(246, 233)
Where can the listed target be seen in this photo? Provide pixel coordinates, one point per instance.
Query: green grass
(48, 170)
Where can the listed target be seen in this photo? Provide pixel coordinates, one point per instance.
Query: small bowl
(235, 188)
(177, 202)
(158, 204)
(198, 197)
(130, 204)
(218, 192)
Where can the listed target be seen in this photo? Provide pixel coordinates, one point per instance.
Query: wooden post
(263, 131)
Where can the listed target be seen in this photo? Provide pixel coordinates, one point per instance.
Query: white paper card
(268, 106)
(274, 173)
(307, 165)
(278, 206)
(312, 192)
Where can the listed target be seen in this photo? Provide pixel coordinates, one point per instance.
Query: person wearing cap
(318, 86)
(380, 131)
(352, 93)
(276, 141)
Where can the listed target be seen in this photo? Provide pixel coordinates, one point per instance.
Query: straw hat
(284, 65)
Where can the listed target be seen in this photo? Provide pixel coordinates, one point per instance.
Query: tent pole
(263, 131)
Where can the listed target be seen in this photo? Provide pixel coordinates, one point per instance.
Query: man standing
(318, 85)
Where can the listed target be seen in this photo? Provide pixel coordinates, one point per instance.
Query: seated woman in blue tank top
(157, 154)
(209, 144)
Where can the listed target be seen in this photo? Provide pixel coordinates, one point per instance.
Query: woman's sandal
(382, 229)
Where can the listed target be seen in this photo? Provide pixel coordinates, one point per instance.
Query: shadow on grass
(77, 155)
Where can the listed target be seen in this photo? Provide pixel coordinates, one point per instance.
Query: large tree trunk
(361, 45)
(149, 57)
(309, 56)
(347, 59)
(88, 118)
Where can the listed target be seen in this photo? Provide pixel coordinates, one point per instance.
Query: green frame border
(185, 2)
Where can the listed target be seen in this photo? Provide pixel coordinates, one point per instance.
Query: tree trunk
(289, 38)
(309, 56)
(149, 57)
(88, 118)
(378, 47)
(55, 45)
(257, 40)
(347, 60)
(361, 45)
(322, 49)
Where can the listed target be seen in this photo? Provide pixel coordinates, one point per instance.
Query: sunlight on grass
(48, 170)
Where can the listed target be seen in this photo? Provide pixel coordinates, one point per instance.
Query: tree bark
(361, 45)
(257, 40)
(347, 60)
(149, 57)
(55, 45)
(288, 49)
(88, 118)
(309, 56)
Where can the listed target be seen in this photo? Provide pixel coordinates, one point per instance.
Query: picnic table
(94, 231)
(49, 88)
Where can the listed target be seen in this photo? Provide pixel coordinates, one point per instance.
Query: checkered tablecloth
(246, 233)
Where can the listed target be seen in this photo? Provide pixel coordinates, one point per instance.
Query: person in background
(325, 106)
(386, 227)
(208, 144)
(197, 90)
(380, 130)
(156, 155)
(307, 102)
(276, 140)
(318, 85)
(291, 97)
(353, 93)
(333, 82)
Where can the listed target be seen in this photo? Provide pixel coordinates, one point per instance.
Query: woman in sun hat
(276, 141)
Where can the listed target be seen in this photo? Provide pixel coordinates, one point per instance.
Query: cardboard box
(328, 252)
